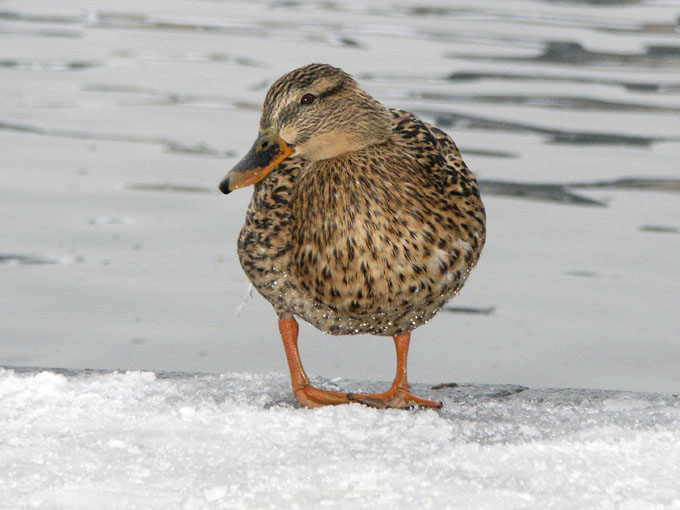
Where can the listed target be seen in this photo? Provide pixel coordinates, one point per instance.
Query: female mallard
(363, 220)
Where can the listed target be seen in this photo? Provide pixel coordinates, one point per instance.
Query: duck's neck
(373, 128)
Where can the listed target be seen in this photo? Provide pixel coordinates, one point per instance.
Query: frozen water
(118, 119)
(138, 440)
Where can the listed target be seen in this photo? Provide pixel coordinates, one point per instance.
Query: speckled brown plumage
(363, 220)
(375, 240)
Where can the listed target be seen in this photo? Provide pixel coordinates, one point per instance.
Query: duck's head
(315, 112)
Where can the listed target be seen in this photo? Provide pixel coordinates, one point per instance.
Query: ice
(119, 119)
(140, 440)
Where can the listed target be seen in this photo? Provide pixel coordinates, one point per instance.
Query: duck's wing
(437, 154)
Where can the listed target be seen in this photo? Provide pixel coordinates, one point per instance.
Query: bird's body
(375, 241)
(370, 223)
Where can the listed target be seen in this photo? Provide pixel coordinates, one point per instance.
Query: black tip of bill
(224, 186)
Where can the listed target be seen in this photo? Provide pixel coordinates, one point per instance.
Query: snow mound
(139, 440)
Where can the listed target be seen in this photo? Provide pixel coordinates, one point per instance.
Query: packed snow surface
(139, 440)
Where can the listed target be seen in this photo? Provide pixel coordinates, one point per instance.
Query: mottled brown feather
(374, 241)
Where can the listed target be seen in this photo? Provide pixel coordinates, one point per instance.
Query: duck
(363, 220)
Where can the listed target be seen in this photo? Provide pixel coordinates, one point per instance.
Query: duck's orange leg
(307, 394)
(399, 395)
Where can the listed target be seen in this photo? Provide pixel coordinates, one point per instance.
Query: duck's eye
(307, 99)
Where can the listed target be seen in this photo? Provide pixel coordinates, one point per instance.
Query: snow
(140, 440)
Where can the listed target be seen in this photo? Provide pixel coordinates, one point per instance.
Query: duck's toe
(311, 396)
(402, 398)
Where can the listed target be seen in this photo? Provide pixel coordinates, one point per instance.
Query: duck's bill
(268, 151)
